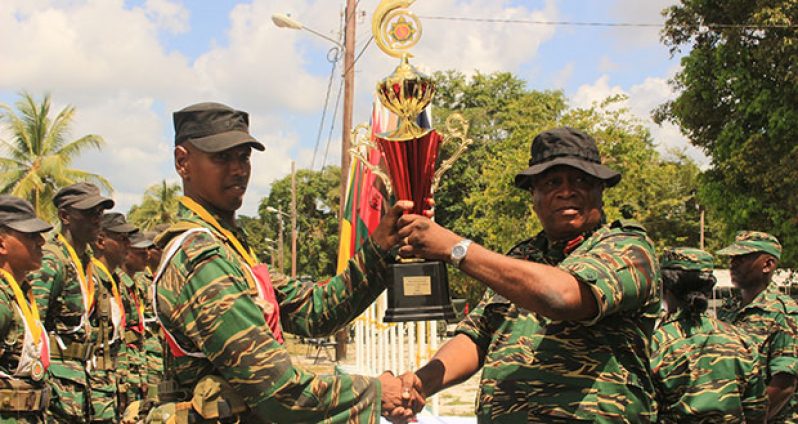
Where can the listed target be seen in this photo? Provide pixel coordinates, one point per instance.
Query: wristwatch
(459, 252)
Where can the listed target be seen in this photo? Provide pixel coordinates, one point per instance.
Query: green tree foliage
(158, 206)
(738, 101)
(477, 198)
(38, 158)
(317, 220)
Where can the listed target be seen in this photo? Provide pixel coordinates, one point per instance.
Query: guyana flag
(363, 200)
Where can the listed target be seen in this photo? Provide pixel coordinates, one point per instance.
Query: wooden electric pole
(350, 20)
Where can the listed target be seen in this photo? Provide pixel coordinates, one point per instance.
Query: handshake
(402, 397)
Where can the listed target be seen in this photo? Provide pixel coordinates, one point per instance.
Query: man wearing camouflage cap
(730, 387)
(767, 315)
(24, 354)
(562, 332)
(218, 308)
(110, 249)
(65, 298)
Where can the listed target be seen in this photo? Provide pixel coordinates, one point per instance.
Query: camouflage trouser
(153, 364)
(104, 405)
(131, 361)
(69, 392)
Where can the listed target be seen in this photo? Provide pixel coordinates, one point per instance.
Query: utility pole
(293, 219)
(350, 20)
(280, 241)
(701, 239)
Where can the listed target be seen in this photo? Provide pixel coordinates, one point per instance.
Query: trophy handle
(361, 138)
(456, 129)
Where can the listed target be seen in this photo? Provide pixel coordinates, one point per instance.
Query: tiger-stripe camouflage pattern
(131, 355)
(12, 334)
(543, 371)
(706, 371)
(206, 303)
(56, 289)
(771, 320)
(152, 372)
(103, 378)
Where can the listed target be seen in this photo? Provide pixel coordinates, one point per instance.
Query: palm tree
(158, 206)
(38, 157)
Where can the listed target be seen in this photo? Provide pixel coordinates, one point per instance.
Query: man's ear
(181, 162)
(3, 243)
(99, 243)
(63, 216)
(770, 264)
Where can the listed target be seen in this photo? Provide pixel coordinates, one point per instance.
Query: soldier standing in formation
(705, 370)
(766, 314)
(222, 317)
(563, 331)
(110, 250)
(65, 298)
(24, 355)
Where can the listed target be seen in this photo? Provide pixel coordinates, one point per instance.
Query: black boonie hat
(18, 214)
(115, 222)
(213, 127)
(81, 196)
(565, 146)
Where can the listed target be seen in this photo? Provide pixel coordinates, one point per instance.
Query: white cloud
(606, 65)
(643, 12)
(563, 76)
(168, 14)
(642, 99)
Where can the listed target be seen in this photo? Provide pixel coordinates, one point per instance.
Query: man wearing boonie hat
(133, 298)
(221, 312)
(24, 354)
(766, 314)
(108, 379)
(65, 298)
(562, 332)
(730, 386)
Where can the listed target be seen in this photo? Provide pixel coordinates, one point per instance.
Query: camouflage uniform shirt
(12, 334)
(539, 370)
(205, 301)
(770, 319)
(706, 371)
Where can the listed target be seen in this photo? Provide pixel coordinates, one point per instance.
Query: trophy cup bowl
(419, 289)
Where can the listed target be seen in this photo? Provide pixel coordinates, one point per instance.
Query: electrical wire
(334, 61)
(594, 24)
(332, 125)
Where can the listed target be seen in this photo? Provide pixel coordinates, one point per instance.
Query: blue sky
(126, 65)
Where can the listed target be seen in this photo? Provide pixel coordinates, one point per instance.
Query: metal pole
(280, 240)
(293, 219)
(701, 240)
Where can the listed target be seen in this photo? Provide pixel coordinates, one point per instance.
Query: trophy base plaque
(419, 292)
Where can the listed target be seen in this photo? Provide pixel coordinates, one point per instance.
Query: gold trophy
(420, 289)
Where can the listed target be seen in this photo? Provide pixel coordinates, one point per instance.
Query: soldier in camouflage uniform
(64, 299)
(23, 341)
(705, 370)
(133, 298)
(767, 315)
(108, 318)
(226, 360)
(563, 331)
(153, 337)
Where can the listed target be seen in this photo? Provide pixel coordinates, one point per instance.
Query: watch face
(458, 251)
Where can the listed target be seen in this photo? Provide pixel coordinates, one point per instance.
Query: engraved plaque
(417, 285)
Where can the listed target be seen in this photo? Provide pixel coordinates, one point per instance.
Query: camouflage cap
(746, 242)
(18, 214)
(81, 196)
(687, 259)
(115, 222)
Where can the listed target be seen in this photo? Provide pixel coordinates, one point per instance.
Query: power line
(334, 61)
(594, 24)
(332, 124)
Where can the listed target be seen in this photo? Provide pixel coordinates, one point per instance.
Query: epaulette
(628, 224)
